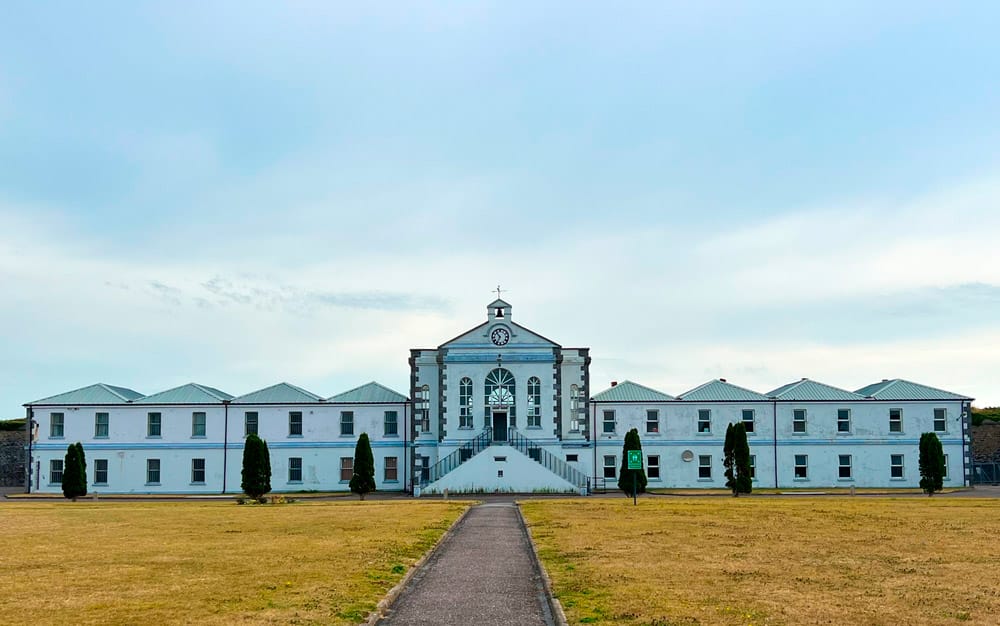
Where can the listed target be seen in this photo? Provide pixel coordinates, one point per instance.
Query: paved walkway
(484, 573)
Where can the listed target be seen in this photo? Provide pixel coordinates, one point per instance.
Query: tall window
(198, 471)
(295, 423)
(346, 468)
(574, 409)
(801, 466)
(799, 421)
(101, 423)
(424, 400)
(55, 471)
(652, 421)
(844, 469)
(56, 426)
(940, 420)
(610, 465)
(753, 467)
(748, 419)
(534, 403)
(391, 469)
(465, 407)
(154, 423)
(152, 471)
(295, 469)
(198, 424)
(896, 466)
(391, 424)
(499, 393)
(609, 421)
(250, 423)
(895, 420)
(653, 466)
(945, 475)
(704, 420)
(100, 471)
(346, 423)
(843, 420)
(704, 467)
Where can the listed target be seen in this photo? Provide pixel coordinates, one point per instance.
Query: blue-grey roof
(899, 389)
(191, 393)
(721, 391)
(805, 390)
(282, 393)
(99, 393)
(628, 391)
(369, 393)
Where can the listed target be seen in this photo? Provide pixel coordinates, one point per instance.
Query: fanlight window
(500, 390)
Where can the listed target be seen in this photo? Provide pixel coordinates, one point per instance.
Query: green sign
(635, 459)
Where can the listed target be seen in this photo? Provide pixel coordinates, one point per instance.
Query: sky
(239, 194)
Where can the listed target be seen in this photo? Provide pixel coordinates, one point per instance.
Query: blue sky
(245, 193)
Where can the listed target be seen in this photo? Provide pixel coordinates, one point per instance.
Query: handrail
(453, 460)
(548, 460)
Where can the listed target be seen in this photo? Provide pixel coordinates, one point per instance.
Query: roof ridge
(698, 388)
(111, 389)
(209, 390)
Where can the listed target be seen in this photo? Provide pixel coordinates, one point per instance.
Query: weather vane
(499, 291)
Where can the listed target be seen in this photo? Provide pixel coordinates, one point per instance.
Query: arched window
(465, 403)
(425, 409)
(534, 403)
(499, 393)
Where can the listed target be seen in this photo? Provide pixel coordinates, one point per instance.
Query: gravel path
(484, 573)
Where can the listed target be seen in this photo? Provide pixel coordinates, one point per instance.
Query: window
(346, 423)
(940, 420)
(391, 424)
(844, 470)
(704, 420)
(896, 466)
(653, 466)
(574, 409)
(609, 421)
(100, 471)
(799, 421)
(895, 420)
(535, 454)
(197, 424)
(152, 471)
(295, 423)
(572, 458)
(55, 471)
(753, 467)
(250, 423)
(465, 410)
(945, 476)
(198, 471)
(652, 421)
(499, 392)
(610, 466)
(801, 466)
(154, 421)
(391, 469)
(748, 420)
(843, 420)
(295, 469)
(56, 426)
(534, 403)
(101, 423)
(704, 467)
(346, 468)
(424, 409)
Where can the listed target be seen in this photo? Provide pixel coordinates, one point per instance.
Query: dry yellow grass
(308, 562)
(835, 560)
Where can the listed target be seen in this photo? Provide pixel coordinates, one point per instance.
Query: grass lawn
(751, 560)
(209, 562)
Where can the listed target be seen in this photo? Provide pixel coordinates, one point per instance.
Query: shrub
(74, 483)
(256, 467)
(736, 459)
(363, 480)
(931, 463)
(629, 479)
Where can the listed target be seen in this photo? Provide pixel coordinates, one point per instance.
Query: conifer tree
(363, 480)
(74, 483)
(729, 459)
(736, 459)
(932, 466)
(256, 467)
(629, 479)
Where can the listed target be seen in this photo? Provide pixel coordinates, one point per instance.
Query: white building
(497, 408)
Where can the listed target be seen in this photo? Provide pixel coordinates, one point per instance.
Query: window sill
(295, 436)
(396, 481)
(704, 434)
(101, 437)
(99, 485)
(845, 480)
(55, 484)
(656, 434)
(704, 480)
(657, 479)
(199, 437)
(465, 427)
(343, 436)
(392, 436)
(532, 427)
(841, 433)
(59, 438)
(294, 482)
(201, 484)
(154, 437)
(800, 479)
(897, 479)
(896, 432)
(799, 434)
(152, 484)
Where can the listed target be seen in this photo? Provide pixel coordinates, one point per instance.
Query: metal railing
(546, 459)
(462, 454)
(985, 473)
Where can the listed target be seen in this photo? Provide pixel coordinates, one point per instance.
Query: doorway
(499, 426)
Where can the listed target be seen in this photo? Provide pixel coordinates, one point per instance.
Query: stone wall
(12, 459)
(986, 442)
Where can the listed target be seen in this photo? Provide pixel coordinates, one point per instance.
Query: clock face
(500, 336)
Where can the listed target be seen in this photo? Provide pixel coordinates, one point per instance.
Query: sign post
(635, 463)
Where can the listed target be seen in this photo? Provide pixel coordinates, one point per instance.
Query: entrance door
(499, 427)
